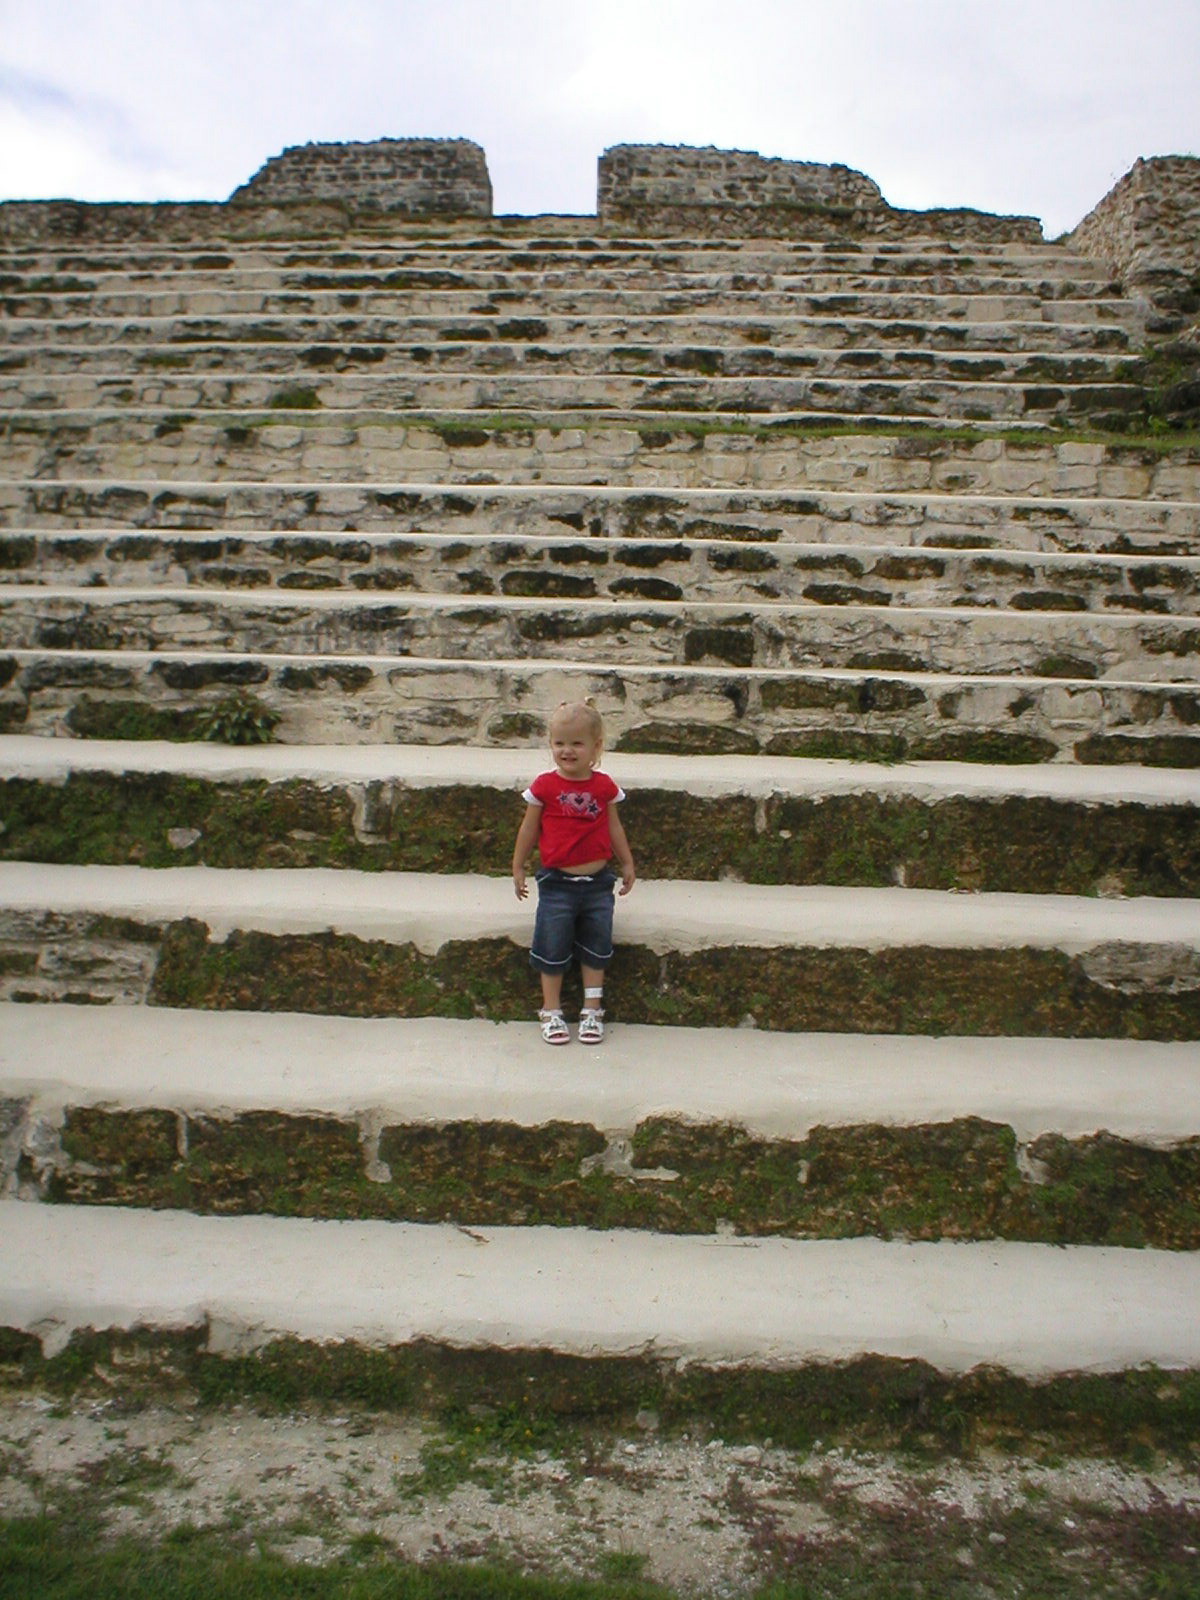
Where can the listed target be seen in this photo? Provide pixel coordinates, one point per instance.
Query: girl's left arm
(620, 845)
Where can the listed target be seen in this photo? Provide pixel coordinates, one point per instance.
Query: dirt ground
(695, 1514)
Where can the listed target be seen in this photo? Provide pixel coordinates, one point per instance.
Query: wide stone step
(1048, 272)
(821, 451)
(941, 521)
(860, 714)
(436, 1071)
(516, 234)
(594, 567)
(245, 1281)
(747, 320)
(723, 955)
(408, 1121)
(1059, 828)
(678, 377)
(832, 630)
(831, 317)
(469, 323)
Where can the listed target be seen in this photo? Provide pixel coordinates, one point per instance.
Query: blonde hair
(585, 710)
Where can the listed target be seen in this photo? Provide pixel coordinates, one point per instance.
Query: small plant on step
(238, 718)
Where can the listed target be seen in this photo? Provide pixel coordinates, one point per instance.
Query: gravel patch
(696, 1514)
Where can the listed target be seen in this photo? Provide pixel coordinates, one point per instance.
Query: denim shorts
(574, 917)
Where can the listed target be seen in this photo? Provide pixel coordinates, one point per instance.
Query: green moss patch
(869, 1403)
(1155, 750)
(1021, 844)
(954, 1180)
(918, 989)
(131, 719)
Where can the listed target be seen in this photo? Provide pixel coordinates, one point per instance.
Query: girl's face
(574, 747)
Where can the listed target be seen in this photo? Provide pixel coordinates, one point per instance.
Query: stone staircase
(896, 648)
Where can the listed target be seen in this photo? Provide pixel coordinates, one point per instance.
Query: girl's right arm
(527, 838)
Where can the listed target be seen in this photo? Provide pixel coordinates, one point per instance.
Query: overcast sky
(1032, 106)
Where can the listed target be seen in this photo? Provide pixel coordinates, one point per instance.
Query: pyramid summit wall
(414, 176)
(327, 189)
(657, 175)
(1146, 230)
(678, 188)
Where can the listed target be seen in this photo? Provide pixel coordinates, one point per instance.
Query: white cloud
(1036, 105)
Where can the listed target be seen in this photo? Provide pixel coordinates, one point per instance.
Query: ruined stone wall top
(414, 176)
(1146, 230)
(662, 189)
(655, 175)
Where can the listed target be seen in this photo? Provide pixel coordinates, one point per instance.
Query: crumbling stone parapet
(415, 176)
(1146, 230)
(677, 189)
(657, 175)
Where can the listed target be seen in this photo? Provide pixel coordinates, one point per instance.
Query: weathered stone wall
(1146, 230)
(675, 189)
(657, 175)
(416, 176)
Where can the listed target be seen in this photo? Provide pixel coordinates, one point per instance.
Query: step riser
(77, 957)
(594, 568)
(761, 308)
(700, 711)
(846, 636)
(758, 380)
(393, 451)
(935, 521)
(760, 270)
(583, 251)
(353, 325)
(672, 326)
(983, 843)
(669, 1177)
(969, 400)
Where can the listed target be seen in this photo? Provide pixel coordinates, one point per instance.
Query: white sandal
(591, 1025)
(554, 1027)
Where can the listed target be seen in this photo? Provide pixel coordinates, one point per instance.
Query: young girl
(571, 817)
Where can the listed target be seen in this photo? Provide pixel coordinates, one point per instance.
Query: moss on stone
(952, 1180)
(1019, 843)
(910, 990)
(872, 1402)
(732, 645)
(548, 585)
(1119, 1192)
(687, 738)
(16, 551)
(1153, 750)
(983, 745)
(130, 719)
(839, 745)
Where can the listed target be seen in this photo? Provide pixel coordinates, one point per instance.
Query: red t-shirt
(574, 817)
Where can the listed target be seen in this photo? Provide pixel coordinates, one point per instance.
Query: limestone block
(616, 444)
(552, 441)
(1121, 482)
(1072, 454)
(1074, 708)
(1172, 482)
(281, 438)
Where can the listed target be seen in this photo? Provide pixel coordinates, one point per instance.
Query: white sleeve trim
(530, 798)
